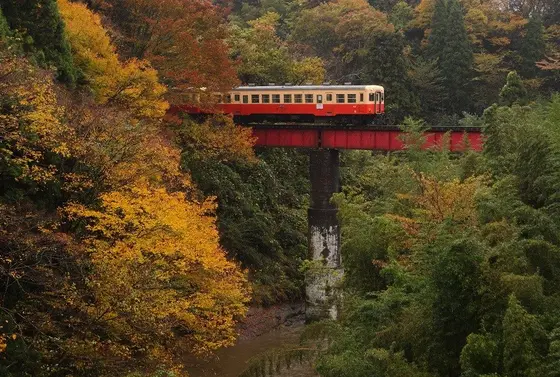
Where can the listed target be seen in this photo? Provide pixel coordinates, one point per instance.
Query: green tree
(426, 79)
(438, 36)
(456, 278)
(552, 363)
(432, 259)
(388, 65)
(513, 91)
(401, 15)
(449, 43)
(532, 48)
(261, 213)
(479, 356)
(342, 34)
(4, 28)
(40, 22)
(520, 354)
(456, 65)
(265, 58)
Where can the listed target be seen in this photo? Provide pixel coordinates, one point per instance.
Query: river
(232, 361)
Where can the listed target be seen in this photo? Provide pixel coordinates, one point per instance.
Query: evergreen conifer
(514, 91)
(401, 15)
(40, 21)
(532, 47)
(457, 59)
(437, 38)
(388, 64)
(449, 43)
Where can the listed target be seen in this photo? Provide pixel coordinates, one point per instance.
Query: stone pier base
(325, 274)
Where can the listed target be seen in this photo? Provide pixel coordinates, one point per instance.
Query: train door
(319, 105)
(377, 103)
(329, 96)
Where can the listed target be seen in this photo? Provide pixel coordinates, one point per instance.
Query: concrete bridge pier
(325, 273)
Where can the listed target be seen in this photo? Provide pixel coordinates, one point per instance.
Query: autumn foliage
(158, 268)
(133, 84)
(110, 254)
(183, 40)
(129, 231)
(31, 127)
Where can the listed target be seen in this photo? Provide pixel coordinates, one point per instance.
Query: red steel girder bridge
(324, 143)
(380, 138)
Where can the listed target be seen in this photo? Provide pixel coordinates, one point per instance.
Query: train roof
(307, 87)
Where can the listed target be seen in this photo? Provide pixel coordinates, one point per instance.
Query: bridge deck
(383, 138)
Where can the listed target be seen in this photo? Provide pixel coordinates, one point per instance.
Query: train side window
(266, 98)
(383, 97)
(340, 98)
(228, 98)
(236, 98)
(329, 97)
(287, 98)
(378, 97)
(372, 97)
(361, 97)
(254, 98)
(319, 98)
(276, 98)
(309, 98)
(246, 99)
(298, 98)
(351, 98)
(218, 98)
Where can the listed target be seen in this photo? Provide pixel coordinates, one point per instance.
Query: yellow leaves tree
(308, 70)
(132, 85)
(476, 22)
(158, 270)
(30, 122)
(120, 150)
(454, 200)
(438, 202)
(423, 14)
(4, 339)
(141, 276)
(217, 138)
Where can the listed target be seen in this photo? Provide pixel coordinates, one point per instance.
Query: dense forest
(133, 236)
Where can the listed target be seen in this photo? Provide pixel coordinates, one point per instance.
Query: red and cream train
(341, 104)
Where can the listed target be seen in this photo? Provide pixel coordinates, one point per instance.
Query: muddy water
(232, 361)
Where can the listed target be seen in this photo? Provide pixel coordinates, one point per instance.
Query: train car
(349, 104)
(355, 104)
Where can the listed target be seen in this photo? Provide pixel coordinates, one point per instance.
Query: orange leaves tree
(550, 63)
(184, 41)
